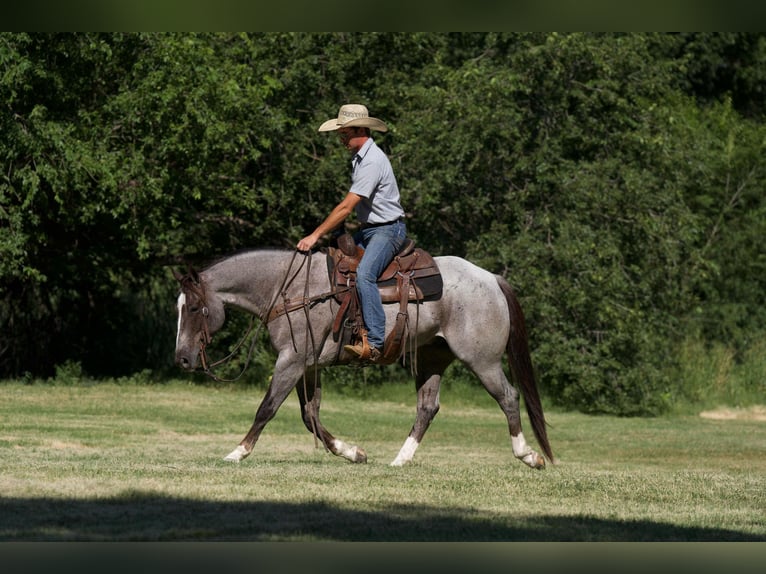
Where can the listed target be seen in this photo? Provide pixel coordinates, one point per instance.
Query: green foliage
(615, 179)
(710, 375)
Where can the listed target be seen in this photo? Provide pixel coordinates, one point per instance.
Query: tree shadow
(137, 516)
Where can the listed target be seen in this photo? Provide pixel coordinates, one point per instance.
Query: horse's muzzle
(186, 361)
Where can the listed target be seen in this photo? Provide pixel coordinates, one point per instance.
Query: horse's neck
(249, 280)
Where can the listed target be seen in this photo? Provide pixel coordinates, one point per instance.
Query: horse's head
(200, 315)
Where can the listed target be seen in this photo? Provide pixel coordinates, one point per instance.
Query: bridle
(197, 288)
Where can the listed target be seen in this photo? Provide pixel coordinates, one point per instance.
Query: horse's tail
(522, 371)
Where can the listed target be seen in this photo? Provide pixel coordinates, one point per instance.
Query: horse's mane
(190, 278)
(240, 252)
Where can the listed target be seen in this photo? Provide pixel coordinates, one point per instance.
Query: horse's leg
(507, 396)
(310, 396)
(287, 372)
(432, 361)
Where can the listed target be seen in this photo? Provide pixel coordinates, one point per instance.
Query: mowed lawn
(123, 462)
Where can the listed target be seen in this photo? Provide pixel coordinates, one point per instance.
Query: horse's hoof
(237, 455)
(361, 456)
(534, 460)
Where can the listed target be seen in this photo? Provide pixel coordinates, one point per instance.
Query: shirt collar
(362, 152)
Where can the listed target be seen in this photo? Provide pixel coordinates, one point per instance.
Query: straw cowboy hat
(353, 116)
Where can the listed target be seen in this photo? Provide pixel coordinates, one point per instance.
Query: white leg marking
(406, 453)
(237, 455)
(181, 303)
(520, 446)
(347, 451)
(524, 452)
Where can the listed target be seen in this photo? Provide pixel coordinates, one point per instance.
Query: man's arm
(337, 216)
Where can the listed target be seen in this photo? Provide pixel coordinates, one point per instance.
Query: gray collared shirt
(372, 178)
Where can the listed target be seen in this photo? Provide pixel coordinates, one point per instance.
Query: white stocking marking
(237, 455)
(181, 303)
(347, 451)
(520, 446)
(407, 452)
(523, 451)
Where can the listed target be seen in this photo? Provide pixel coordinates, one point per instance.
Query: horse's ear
(177, 275)
(194, 275)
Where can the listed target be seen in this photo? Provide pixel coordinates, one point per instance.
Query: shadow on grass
(140, 516)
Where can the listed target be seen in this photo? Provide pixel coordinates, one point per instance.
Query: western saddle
(412, 276)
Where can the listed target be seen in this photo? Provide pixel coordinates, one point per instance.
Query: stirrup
(361, 350)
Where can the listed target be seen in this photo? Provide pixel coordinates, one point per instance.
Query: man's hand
(307, 242)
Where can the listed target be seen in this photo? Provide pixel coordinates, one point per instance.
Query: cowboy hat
(353, 116)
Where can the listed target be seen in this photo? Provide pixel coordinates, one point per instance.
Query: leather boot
(362, 350)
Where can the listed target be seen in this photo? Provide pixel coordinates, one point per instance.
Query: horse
(477, 320)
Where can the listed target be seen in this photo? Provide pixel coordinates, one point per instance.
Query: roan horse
(477, 319)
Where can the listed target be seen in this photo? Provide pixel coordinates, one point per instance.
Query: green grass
(124, 462)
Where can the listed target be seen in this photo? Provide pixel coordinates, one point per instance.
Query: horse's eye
(193, 309)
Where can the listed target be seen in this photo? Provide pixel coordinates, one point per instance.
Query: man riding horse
(301, 304)
(374, 195)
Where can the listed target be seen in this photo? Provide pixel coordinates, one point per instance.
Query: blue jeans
(380, 245)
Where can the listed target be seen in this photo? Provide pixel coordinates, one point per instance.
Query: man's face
(352, 138)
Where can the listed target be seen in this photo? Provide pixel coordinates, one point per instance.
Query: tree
(614, 179)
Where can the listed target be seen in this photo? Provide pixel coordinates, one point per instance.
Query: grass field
(125, 462)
